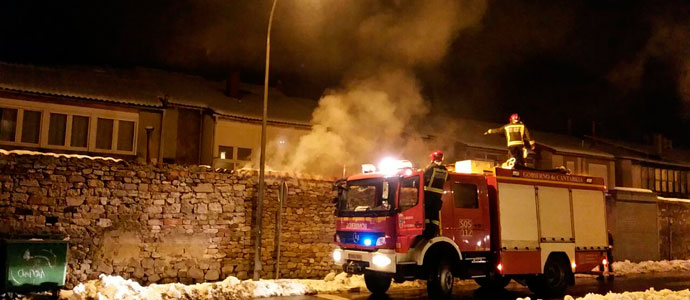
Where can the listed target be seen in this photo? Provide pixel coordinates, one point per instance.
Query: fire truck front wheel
(376, 283)
(439, 284)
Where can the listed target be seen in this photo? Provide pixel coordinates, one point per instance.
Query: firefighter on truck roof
(517, 136)
(434, 178)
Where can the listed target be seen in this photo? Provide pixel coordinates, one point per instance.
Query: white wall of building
(240, 135)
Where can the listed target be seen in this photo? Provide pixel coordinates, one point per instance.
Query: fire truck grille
(354, 237)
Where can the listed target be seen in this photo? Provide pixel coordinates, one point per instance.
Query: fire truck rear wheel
(554, 281)
(377, 284)
(439, 284)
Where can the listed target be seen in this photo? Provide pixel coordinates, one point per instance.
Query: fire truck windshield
(368, 197)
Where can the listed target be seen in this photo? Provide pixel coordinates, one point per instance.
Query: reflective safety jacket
(516, 134)
(434, 178)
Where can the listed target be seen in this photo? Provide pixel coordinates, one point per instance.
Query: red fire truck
(538, 228)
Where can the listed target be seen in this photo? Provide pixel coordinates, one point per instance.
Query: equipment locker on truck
(538, 228)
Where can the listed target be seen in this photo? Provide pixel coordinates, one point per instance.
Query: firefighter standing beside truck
(517, 136)
(434, 178)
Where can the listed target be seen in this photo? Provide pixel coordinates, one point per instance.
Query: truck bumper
(358, 262)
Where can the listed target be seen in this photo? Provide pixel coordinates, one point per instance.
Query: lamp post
(262, 158)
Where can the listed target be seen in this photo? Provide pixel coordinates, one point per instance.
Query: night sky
(622, 64)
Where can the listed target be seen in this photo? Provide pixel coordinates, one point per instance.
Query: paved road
(672, 281)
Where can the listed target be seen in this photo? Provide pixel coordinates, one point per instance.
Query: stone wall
(674, 229)
(164, 224)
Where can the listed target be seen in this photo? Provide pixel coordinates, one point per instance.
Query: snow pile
(117, 288)
(627, 267)
(649, 294)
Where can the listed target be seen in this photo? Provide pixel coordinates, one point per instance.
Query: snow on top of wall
(56, 155)
(629, 189)
(673, 199)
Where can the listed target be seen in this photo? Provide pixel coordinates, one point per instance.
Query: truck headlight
(337, 255)
(380, 260)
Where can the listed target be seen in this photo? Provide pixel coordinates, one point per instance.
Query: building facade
(139, 114)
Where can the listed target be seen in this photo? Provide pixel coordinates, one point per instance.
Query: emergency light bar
(388, 166)
(368, 168)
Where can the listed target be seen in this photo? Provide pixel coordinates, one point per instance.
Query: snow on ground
(117, 288)
(649, 294)
(627, 267)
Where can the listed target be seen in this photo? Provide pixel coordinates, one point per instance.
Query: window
(665, 180)
(31, 126)
(465, 195)
(55, 126)
(651, 178)
(409, 193)
(125, 136)
(104, 133)
(80, 131)
(226, 152)
(231, 157)
(571, 166)
(8, 124)
(244, 154)
(657, 179)
(57, 129)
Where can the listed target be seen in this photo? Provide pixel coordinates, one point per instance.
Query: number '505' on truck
(538, 228)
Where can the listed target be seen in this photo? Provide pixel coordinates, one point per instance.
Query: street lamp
(262, 157)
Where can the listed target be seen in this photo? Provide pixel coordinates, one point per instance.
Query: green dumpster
(32, 265)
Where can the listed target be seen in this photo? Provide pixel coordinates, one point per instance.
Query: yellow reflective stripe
(427, 221)
(431, 180)
(434, 190)
(436, 222)
(521, 128)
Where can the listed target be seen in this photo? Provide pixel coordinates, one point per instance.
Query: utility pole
(262, 158)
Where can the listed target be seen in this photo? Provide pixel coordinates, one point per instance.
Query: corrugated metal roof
(123, 86)
(146, 87)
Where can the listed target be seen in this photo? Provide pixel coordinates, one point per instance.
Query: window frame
(418, 188)
(17, 124)
(92, 113)
(476, 198)
(234, 161)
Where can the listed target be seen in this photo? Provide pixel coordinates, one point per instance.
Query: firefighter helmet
(436, 156)
(514, 118)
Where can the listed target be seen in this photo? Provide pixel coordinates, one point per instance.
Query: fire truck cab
(538, 228)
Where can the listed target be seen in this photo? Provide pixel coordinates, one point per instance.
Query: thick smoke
(377, 111)
(669, 40)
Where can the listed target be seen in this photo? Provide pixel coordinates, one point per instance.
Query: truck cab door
(410, 218)
(465, 213)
